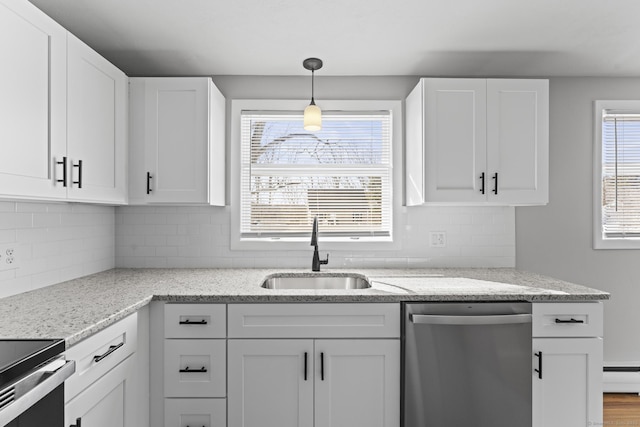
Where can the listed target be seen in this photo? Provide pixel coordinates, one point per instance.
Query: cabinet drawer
(567, 319)
(195, 368)
(195, 412)
(99, 353)
(314, 320)
(194, 321)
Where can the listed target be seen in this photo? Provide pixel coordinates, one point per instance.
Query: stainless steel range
(32, 375)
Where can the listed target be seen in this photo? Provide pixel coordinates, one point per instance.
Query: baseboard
(621, 379)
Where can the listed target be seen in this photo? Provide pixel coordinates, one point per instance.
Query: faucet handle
(325, 261)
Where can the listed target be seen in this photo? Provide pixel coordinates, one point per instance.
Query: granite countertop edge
(78, 308)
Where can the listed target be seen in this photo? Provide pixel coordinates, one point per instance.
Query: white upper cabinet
(477, 141)
(97, 126)
(177, 141)
(33, 103)
(63, 110)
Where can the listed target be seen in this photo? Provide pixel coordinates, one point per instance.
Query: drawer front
(195, 413)
(195, 368)
(567, 319)
(195, 321)
(100, 353)
(314, 320)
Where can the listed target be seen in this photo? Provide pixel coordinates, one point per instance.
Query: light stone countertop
(78, 308)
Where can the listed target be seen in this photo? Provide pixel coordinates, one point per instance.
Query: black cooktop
(19, 356)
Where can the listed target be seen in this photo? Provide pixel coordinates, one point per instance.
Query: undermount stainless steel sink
(288, 281)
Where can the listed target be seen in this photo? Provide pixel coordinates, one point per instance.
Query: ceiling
(359, 37)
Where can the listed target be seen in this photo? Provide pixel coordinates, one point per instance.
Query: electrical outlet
(9, 256)
(437, 239)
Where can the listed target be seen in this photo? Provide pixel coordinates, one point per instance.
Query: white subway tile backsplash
(55, 242)
(198, 236)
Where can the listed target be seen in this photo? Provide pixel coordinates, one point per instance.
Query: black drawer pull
(112, 348)
(189, 322)
(482, 178)
(78, 423)
(572, 320)
(539, 370)
(64, 171)
(322, 366)
(186, 369)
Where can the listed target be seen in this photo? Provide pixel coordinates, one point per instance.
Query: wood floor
(621, 409)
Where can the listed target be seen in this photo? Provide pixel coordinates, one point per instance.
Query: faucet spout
(316, 262)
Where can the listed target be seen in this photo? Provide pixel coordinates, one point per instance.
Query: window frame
(599, 241)
(237, 242)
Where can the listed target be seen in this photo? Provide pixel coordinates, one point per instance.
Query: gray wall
(556, 239)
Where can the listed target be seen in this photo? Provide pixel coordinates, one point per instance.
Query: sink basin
(289, 281)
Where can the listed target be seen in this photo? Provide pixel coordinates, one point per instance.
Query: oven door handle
(496, 319)
(29, 389)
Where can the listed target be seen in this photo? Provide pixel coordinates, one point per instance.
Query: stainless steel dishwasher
(467, 365)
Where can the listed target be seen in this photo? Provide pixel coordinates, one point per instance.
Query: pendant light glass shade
(312, 118)
(312, 114)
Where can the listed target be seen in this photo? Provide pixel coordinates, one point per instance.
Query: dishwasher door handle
(494, 319)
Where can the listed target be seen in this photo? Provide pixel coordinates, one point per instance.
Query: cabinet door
(195, 412)
(33, 101)
(176, 139)
(267, 385)
(357, 383)
(518, 141)
(194, 368)
(108, 402)
(455, 140)
(97, 126)
(569, 394)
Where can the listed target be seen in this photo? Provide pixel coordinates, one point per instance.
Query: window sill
(630, 243)
(325, 244)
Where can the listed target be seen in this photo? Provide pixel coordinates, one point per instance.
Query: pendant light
(312, 114)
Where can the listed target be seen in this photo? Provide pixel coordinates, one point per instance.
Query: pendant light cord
(313, 102)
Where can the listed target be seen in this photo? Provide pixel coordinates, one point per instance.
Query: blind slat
(342, 174)
(621, 175)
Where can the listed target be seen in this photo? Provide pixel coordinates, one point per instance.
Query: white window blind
(342, 174)
(620, 175)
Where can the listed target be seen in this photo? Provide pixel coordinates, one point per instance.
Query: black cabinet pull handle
(189, 322)
(482, 180)
(78, 423)
(186, 369)
(305, 365)
(322, 366)
(572, 320)
(149, 178)
(64, 171)
(495, 186)
(79, 181)
(111, 349)
(539, 370)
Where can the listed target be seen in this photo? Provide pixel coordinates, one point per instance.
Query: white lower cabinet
(567, 364)
(109, 402)
(321, 383)
(103, 391)
(304, 381)
(568, 392)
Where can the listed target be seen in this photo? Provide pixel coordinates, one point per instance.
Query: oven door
(37, 398)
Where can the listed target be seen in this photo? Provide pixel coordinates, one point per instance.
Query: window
(342, 174)
(617, 195)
